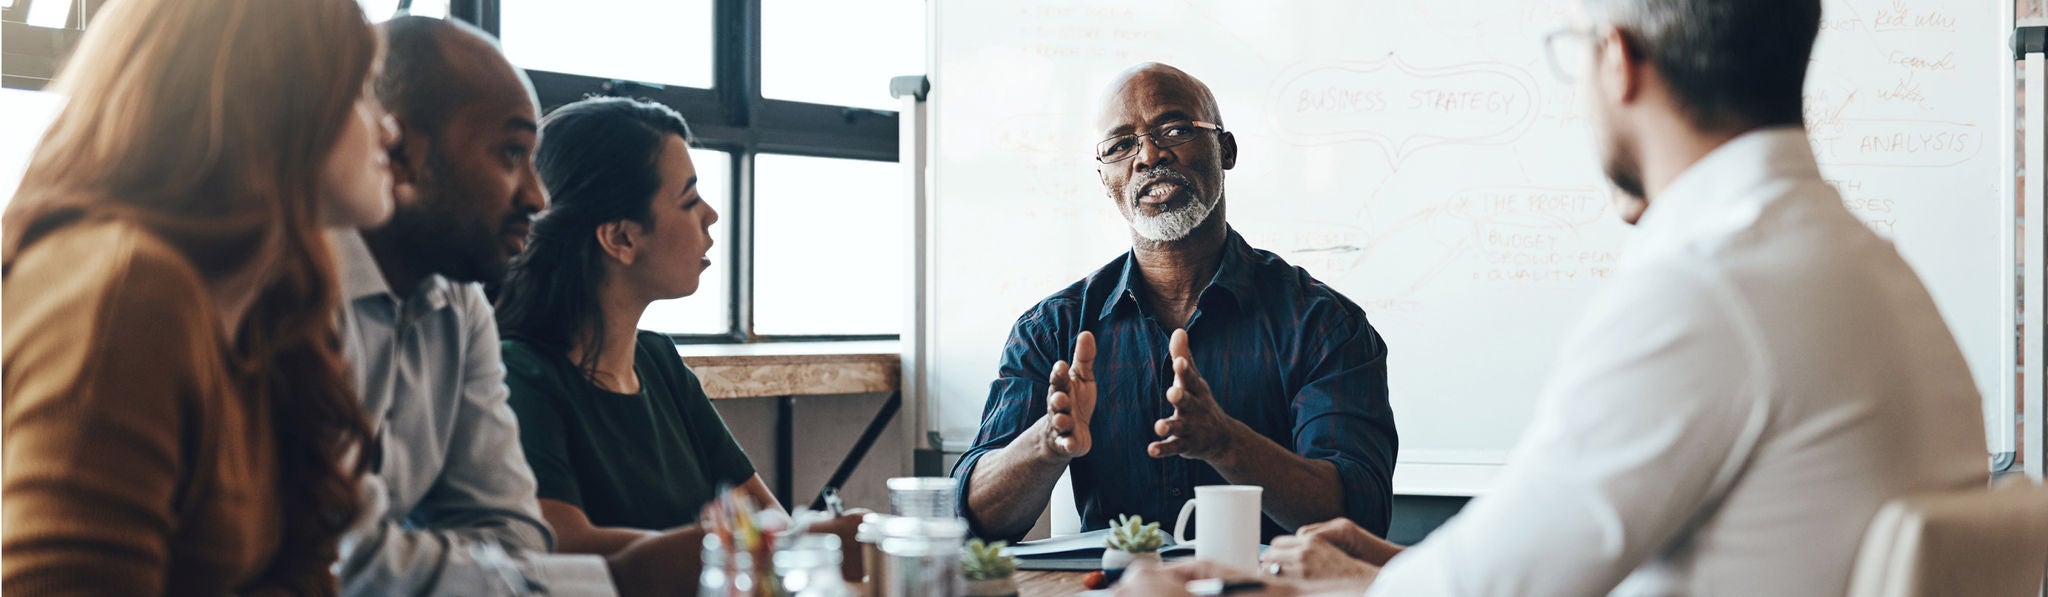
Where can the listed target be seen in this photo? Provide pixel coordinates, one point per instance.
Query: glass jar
(807, 565)
(922, 557)
(874, 568)
(725, 574)
(922, 497)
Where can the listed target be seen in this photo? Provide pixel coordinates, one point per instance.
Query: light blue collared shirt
(452, 479)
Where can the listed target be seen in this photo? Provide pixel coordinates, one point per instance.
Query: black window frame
(731, 116)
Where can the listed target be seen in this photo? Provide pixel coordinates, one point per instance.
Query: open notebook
(1079, 552)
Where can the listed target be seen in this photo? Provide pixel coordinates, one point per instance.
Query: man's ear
(408, 162)
(1229, 143)
(1621, 65)
(616, 238)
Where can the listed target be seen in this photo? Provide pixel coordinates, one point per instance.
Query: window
(28, 114)
(796, 134)
(828, 246)
(666, 42)
(868, 43)
(381, 10)
(792, 97)
(709, 311)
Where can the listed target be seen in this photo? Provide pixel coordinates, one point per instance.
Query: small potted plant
(1132, 540)
(989, 571)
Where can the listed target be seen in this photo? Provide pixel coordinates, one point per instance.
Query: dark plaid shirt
(1282, 352)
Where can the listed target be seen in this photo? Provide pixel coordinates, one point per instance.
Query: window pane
(28, 114)
(430, 8)
(869, 43)
(649, 41)
(382, 10)
(377, 10)
(828, 246)
(710, 310)
(54, 14)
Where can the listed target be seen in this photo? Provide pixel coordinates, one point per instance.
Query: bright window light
(430, 8)
(29, 114)
(828, 246)
(840, 53)
(383, 10)
(49, 13)
(379, 10)
(648, 41)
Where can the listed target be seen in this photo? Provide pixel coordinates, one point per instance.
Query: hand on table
(1198, 428)
(1355, 541)
(1147, 579)
(1071, 402)
(1295, 556)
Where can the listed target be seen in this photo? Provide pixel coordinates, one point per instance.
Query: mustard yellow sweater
(132, 465)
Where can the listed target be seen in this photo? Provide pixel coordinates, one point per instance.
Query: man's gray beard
(1173, 225)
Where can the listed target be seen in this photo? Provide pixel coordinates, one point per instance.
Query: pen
(1217, 586)
(834, 506)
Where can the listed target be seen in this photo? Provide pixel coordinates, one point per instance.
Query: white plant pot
(1117, 559)
(994, 587)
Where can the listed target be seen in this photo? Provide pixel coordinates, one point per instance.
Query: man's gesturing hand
(1198, 428)
(1071, 404)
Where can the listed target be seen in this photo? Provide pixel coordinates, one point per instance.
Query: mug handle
(1180, 526)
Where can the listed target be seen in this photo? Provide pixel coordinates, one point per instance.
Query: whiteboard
(1422, 158)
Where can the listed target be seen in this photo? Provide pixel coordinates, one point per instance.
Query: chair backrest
(1066, 513)
(1977, 542)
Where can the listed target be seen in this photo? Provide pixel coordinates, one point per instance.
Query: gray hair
(1730, 63)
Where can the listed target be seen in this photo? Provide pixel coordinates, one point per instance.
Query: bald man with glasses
(1193, 359)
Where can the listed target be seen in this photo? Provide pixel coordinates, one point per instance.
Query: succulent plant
(986, 561)
(1132, 535)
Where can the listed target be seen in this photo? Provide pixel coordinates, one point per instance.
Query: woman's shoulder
(658, 351)
(529, 363)
(107, 271)
(657, 346)
(108, 315)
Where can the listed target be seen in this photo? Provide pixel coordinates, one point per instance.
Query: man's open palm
(1071, 403)
(1198, 428)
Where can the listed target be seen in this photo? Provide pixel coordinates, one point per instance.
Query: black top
(648, 461)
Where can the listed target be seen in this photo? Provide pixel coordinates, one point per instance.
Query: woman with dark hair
(177, 420)
(621, 437)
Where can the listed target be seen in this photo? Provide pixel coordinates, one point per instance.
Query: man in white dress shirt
(1761, 375)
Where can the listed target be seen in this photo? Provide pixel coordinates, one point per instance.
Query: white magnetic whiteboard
(1422, 158)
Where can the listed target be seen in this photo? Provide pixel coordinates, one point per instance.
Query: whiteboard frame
(2005, 449)
(2031, 332)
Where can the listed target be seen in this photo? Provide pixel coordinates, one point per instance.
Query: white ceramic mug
(1228, 522)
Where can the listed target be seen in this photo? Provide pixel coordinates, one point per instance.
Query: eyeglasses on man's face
(1124, 147)
(1570, 52)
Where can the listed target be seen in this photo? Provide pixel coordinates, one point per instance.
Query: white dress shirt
(1762, 373)
(452, 503)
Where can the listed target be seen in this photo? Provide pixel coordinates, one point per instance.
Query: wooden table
(1048, 583)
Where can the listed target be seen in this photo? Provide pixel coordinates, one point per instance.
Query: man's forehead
(493, 90)
(1147, 96)
(486, 110)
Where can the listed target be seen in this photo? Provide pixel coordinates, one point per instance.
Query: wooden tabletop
(1048, 583)
(795, 368)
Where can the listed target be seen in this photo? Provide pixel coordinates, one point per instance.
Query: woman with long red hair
(177, 419)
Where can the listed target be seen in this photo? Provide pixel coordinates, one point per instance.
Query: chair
(1066, 514)
(1977, 542)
